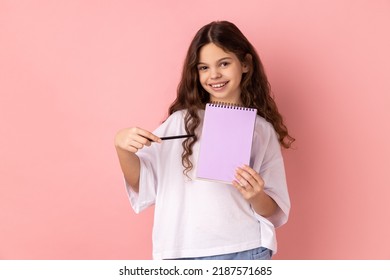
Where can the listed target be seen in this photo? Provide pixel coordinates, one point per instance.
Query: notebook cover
(226, 141)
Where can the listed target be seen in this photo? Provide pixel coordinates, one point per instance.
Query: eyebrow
(219, 60)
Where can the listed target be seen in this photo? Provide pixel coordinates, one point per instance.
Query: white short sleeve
(147, 194)
(270, 166)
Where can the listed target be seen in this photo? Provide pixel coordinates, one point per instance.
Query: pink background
(74, 72)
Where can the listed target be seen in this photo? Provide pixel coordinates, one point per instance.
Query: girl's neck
(230, 101)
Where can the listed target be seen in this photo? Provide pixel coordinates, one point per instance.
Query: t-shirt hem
(206, 252)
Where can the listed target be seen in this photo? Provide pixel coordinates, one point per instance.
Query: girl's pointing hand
(134, 138)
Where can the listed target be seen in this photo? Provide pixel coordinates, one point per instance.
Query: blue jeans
(260, 253)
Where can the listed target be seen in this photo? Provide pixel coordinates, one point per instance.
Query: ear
(247, 63)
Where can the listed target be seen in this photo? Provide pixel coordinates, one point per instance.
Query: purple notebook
(226, 141)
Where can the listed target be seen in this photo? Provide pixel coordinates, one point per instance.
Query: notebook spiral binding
(229, 106)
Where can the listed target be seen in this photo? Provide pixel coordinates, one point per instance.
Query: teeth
(218, 85)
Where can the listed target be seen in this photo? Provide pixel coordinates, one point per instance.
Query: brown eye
(224, 64)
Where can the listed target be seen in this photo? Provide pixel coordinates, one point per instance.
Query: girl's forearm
(130, 165)
(263, 204)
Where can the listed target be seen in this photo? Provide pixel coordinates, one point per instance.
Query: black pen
(173, 137)
(176, 137)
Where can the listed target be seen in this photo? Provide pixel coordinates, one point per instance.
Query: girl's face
(220, 74)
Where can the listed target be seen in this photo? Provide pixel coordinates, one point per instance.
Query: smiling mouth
(219, 85)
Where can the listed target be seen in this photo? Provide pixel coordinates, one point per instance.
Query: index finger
(150, 136)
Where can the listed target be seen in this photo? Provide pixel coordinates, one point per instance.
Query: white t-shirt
(194, 218)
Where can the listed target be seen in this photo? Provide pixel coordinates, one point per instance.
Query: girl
(207, 220)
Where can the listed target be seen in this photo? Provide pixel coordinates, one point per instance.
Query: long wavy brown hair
(255, 88)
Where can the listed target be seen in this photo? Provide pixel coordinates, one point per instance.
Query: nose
(215, 73)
